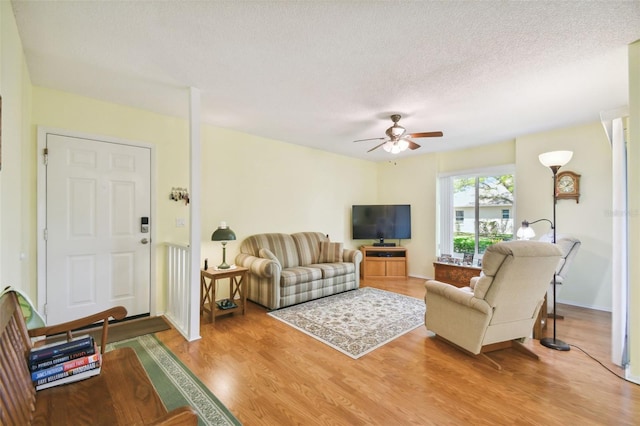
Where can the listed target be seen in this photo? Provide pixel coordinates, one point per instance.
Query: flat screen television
(380, 222)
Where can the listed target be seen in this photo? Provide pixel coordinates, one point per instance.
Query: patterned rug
(356, 322)
(175, 383)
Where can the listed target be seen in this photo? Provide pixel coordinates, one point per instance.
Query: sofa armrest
(352, 256)
(259, 266)
(463, 296)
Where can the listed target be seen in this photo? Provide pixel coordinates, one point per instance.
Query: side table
(458, 275)
(237, 292)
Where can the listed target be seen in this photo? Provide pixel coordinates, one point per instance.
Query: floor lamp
(554, 160)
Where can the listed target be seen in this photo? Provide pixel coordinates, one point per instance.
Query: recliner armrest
(473, 281)
(463, 296)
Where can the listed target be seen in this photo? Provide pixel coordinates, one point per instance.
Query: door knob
(144, 241)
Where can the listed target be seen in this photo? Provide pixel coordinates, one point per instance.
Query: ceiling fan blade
(412, 144)
(425, 135)
(370, 139)
(377, 146)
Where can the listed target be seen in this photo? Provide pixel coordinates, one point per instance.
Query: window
(476, 210)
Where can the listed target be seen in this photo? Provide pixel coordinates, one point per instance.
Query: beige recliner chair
(499, 307)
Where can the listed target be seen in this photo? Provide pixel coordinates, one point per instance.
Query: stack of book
(64, 362)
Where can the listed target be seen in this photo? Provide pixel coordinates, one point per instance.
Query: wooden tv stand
(383, 262)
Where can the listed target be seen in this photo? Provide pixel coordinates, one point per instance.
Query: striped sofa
(285, 269)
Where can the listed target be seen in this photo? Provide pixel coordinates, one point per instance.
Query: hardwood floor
(268, 373)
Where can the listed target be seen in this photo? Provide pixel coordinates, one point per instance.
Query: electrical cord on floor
(605, 367)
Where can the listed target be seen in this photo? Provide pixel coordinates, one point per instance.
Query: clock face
(566, 184)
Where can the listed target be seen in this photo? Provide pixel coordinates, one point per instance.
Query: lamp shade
(525, 232)
(555, 158)
(223, 233)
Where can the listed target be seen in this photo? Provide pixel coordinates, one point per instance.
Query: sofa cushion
(308, 246)
(330, 270)
(281, 245)
(301, 274)
(330, 252)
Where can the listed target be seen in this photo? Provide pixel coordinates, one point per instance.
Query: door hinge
(46, 234)
(45, 155)
(44, 308)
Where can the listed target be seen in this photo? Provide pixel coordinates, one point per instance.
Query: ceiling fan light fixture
(395, 131)
(397, 139)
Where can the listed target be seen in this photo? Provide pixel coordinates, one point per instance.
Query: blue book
(60, 348)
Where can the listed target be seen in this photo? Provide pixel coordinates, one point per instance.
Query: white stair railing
(177, 278)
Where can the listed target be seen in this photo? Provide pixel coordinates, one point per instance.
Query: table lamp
(223, 234)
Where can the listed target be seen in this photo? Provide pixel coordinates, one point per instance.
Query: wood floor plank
(268, 373)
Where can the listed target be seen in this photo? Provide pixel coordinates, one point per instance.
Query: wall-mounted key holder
(179, 194)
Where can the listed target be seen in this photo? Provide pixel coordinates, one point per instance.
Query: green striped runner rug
(175, 383)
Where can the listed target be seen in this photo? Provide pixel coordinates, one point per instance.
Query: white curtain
(613, 122)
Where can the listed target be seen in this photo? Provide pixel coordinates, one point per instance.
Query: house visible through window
(476, 210)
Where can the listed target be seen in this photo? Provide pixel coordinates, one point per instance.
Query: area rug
(356, 322)
(175, 383)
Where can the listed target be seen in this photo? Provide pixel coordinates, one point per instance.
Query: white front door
(97, 256)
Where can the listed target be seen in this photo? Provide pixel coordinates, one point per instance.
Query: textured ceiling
(325, 73)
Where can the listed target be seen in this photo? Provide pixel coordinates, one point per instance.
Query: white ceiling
(325, 73)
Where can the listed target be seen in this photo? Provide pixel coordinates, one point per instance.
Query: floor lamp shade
(555, 158)
(223, 234)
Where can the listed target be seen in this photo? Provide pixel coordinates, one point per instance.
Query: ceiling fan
(396, 140)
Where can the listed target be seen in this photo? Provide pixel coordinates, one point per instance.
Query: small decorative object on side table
(237, 291)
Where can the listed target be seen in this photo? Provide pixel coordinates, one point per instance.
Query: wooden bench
(121, 394)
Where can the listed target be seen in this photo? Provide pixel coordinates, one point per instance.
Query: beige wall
(412, 181)
(259, 185)
(589, 281)
(17, 248)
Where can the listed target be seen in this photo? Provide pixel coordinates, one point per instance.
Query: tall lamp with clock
(563, 187)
